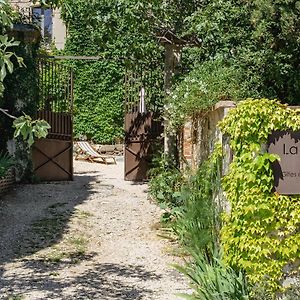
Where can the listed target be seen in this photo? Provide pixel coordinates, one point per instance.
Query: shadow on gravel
(104, 281)
(34, 217)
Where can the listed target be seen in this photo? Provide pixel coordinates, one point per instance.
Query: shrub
(5, 163)
(212, 81)
(165, 182)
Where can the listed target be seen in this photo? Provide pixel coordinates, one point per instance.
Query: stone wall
(200, 134)
(187, 142)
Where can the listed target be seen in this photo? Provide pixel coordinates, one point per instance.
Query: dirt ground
(92, 238)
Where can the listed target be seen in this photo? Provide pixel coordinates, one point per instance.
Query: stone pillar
(172, 59)
(201, 133)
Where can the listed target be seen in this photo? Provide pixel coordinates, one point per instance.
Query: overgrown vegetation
(18, 91)
(249, 250)
(115, 32)
(214, 280)
(197, 222)
(261, 233)
(165, 183)
(251, 45)
(194, 216)
(247, 49)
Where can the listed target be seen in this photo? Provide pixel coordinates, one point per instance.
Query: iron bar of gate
(71, 90)
(56, 95)
(56, 107)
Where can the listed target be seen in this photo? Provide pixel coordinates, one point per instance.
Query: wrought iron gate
(143, 124)
(53, 156)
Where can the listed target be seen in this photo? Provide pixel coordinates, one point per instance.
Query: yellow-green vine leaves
(261, 233)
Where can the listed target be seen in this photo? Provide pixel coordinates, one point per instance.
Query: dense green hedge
(21, 90)
(99, 101)
(112, 30)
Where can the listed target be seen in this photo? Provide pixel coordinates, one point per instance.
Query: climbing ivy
(261, 233)
(117, 33)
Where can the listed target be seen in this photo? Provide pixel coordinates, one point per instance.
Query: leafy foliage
(21, 90)
(261, 233)
(5, 56)
(165, 183)
(213, 280)
(252, 44)
(203, 87)
(195, 219)
(29, 129)
(197, 223)
(6, 65)
(20, 94)
(260, 36)
(6, 15)
(98, 111)
(116, 32)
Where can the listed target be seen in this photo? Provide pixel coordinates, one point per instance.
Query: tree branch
(7, 114)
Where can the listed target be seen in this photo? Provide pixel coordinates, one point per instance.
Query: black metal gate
(143, 124)
(53, 156)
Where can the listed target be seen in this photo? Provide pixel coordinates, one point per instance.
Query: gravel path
(92, 238)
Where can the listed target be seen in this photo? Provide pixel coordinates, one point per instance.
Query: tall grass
(197, 222)
(213, 280)
(197, 226)
(192, 201)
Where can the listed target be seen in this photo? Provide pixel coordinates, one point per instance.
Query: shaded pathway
(87, 239)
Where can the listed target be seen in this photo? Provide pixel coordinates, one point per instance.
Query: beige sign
(286, 144)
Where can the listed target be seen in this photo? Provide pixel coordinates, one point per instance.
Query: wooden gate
(53, 156)
(143, 124)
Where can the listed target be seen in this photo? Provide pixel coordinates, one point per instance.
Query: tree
(261, 37)
(25, 126)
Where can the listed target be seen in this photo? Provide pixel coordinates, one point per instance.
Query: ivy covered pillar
(172, 60)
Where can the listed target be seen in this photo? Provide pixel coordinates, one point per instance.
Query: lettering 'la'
(287, 150)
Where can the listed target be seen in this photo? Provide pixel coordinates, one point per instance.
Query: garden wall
(200, 133)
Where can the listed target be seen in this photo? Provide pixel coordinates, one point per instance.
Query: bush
(5, 163)
(165, 182)
(213, 81)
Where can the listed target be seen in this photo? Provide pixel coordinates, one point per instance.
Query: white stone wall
(59, 30)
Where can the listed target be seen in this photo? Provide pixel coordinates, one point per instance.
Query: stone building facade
(52, 27)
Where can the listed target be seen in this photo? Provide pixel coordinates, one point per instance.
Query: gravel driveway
(93, 238)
